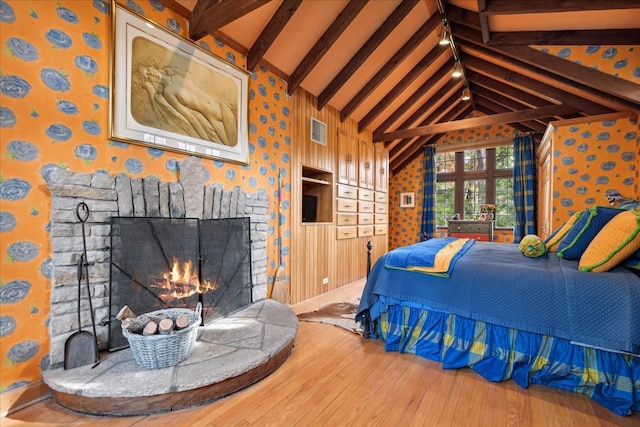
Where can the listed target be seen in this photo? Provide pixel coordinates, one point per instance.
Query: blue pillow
(628, 204)
(584, 230)
(634, 260)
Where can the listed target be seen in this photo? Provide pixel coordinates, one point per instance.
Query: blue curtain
(524, 186)
(428, 227)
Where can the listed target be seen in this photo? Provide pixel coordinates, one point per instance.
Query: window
(468, 179)
(445, 201)
(475, 160)
(505, 214)
(446, 162)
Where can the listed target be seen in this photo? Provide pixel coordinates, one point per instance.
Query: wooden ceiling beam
(461, 110)
(490, 109)
(429, 26)
(446, 92)
(512, 117)
(400, 87)
(484, 21)
(510, 7)
(579, 80)
(626, 36)
(597, 99)
(435, 79)
(508, 105)
(271, 31)
(397, 147)
(210, 15)
(514, 93)
(177, 8)
(387, 27)
(324, 43)
(533, 86)
(578, 73)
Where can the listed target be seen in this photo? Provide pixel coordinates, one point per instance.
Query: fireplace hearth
(121, 196)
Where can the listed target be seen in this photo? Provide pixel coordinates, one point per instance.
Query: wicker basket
(161, 351)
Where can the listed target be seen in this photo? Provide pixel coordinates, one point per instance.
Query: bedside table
(478, 230)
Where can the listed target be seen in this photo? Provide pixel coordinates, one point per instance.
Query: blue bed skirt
(499, 353)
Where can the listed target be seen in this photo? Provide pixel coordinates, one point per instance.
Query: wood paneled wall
(315, 252)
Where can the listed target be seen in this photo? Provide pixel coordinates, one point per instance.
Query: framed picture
(169, 93)
(406, 200)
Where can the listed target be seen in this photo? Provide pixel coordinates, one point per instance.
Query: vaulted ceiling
(380, 63)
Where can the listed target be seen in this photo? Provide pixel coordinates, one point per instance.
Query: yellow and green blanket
(434, 256)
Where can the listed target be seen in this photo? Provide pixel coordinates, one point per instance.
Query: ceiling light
(466, 94)
(445, 37)
(457, 70)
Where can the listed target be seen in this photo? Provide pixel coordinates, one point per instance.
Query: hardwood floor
(336, 378)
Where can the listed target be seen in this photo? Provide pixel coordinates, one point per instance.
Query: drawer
(366, 207)
(380, 229)
(346, 232)
(381, 208)
(364, 194)
(381, 197)
(483, 237)
(347, 192)
(380, 219)
(365, 230)
(471, 227)
(347, 205)
(365, 219)
(346, 219)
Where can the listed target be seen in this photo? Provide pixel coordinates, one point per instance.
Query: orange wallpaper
(591, 160)
(598, 157)
(54, 90)
(619, 61)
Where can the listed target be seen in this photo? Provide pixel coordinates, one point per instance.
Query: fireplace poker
(83, 216)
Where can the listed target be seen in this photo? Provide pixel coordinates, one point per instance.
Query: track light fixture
(457, 70)
(445, 35)
(466, 94)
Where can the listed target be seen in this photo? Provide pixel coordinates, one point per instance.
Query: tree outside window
(468, 179)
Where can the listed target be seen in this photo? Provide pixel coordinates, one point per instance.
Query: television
(309, 208)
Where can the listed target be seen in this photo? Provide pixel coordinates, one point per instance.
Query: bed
(507, 316)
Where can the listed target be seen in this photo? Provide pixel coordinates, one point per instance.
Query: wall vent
(318, 131)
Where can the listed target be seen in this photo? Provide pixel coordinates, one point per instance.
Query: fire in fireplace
(159, 263)
(181, 282)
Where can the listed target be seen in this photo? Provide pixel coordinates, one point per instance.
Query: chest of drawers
(478, 230)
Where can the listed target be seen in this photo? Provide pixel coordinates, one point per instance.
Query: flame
(181, 282)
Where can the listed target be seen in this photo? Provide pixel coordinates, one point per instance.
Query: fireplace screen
(159, 263)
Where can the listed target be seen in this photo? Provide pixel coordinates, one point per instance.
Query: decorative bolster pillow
(532, 246)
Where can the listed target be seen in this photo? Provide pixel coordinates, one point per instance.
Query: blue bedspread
(495, 283)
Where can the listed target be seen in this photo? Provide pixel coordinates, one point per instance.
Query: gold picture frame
(171, 94)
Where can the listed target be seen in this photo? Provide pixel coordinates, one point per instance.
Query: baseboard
(20, 398)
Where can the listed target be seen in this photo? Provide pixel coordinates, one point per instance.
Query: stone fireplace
(122, 196)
